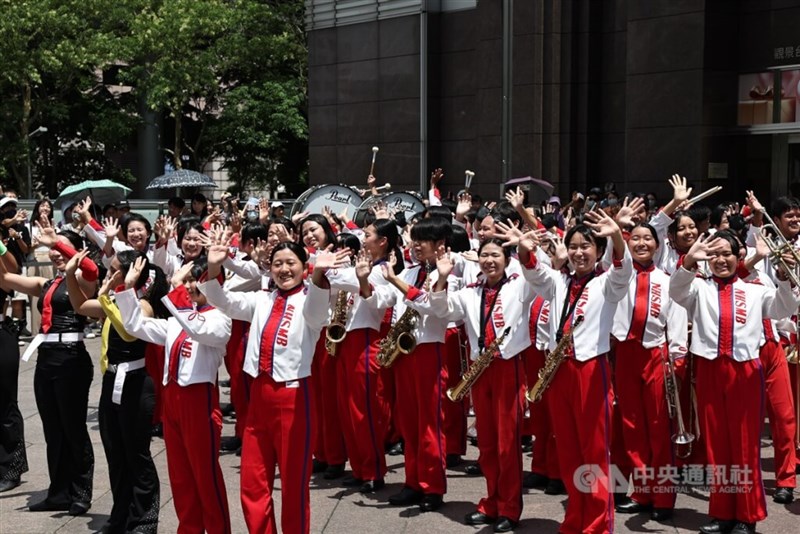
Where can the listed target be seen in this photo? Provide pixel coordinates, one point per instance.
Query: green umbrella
(102, 192)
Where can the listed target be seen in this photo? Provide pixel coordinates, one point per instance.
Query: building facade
(576, 92)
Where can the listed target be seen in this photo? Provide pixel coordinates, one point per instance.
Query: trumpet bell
(683, 439)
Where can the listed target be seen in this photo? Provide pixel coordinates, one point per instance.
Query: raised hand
(111, 227)
(508, 233)
(680, 193)
(263, 210)
(388, 268)
(47, 234)
(753, 202)
(629, 213)
(702, 250)
(436, 177)
(297, 217)
(179, 278)
(111, 281)
(516, 198)
(371, 181)
(134, 272)
(363, 264)
(463, 206)
(444, 262)
(380, 210)
(529, 242)
(262, 252)
(75, 262)
(330, 260)
(600, 223)
(217, 254)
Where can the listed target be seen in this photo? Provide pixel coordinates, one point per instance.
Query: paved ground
(333, 509)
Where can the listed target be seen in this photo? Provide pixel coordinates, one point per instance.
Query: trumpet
(778, 246)
(682, 436)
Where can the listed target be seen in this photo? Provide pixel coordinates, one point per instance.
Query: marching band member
(194, 338)
(330, 454)
(365, 400)
(499, 302)
(727, 314)
(285, 325)
(675, 229)
(420, 375)
(127, 398)
(640, 326)
(63, 374)
(580, 395)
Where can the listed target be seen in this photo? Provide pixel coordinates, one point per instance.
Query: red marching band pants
(498, 399)
(192, 427)
(279, 431)
(580, 403)
(545, 453)
(780, 411)
(420, 380)
(730, 397)
(646, 430)
(329, 444)
(455, 413)
(364, 405)
(794, 381)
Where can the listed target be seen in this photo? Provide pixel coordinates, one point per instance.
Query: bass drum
(336, 196)
(408, 202)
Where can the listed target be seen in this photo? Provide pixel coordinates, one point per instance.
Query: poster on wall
(756, 98)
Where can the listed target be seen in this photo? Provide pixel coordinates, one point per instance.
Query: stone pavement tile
(334, 510)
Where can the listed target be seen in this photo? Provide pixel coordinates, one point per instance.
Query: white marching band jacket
(664, 319)
(301, 320)
(207, 328)
(511, 309)
(728, 319)
(597, 303)
(430, 327)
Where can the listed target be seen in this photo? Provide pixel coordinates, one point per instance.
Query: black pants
(61, 386)
(13, 460)
(125, 430)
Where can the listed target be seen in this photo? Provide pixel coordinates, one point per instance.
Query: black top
(120, 351)
(64, 317)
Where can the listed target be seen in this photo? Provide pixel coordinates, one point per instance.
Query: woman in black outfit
(127, 398)
(63, 375)
(13, 460)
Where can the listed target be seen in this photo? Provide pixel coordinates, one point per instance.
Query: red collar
(642, 269)
(721, 282)
(289, 292)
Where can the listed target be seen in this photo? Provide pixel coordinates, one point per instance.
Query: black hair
(297, 249)
(200, 266)
(506, 213)
(74, 239)
(599, 242)
(36, 208)
(477, 199)
(699, 213)
(285, 221)
(784, 204)
(158, 287)
(459, 241)
(348, 240)
(432, 229)
(499, 242)
(439, 211)
(718, 213)
(549, 220)
(200, 197)
(650, 228)
(738, 225)
(330, 237)
(388, 229)
(253, 231)
(731, 238)
(672, 229)
(178, 202)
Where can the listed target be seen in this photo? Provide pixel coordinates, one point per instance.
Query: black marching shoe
(48, 506)
(478, 518)
(350, 481)
(453, 460)
(79, 508)
(527, 443)
(229, 443)
(8, 485)
(534, 481)
(718, 526)
(661, 514)
(318, 466)
(406, 497)
(395, 449)
(632, 507)
(473, 470)
(744, 528)
(333, 472)
(555, 487)
(781, 496)
(431, 502)
(157, 430)
(504, 524)
(371, 486)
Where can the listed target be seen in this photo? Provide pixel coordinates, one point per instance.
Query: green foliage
(229, 77)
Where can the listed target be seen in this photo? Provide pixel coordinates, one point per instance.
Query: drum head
(408, 202)
(336, 196)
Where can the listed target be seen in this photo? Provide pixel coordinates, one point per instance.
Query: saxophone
(482, 363)
(399, 340)
(552, 363)
(336, 332)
